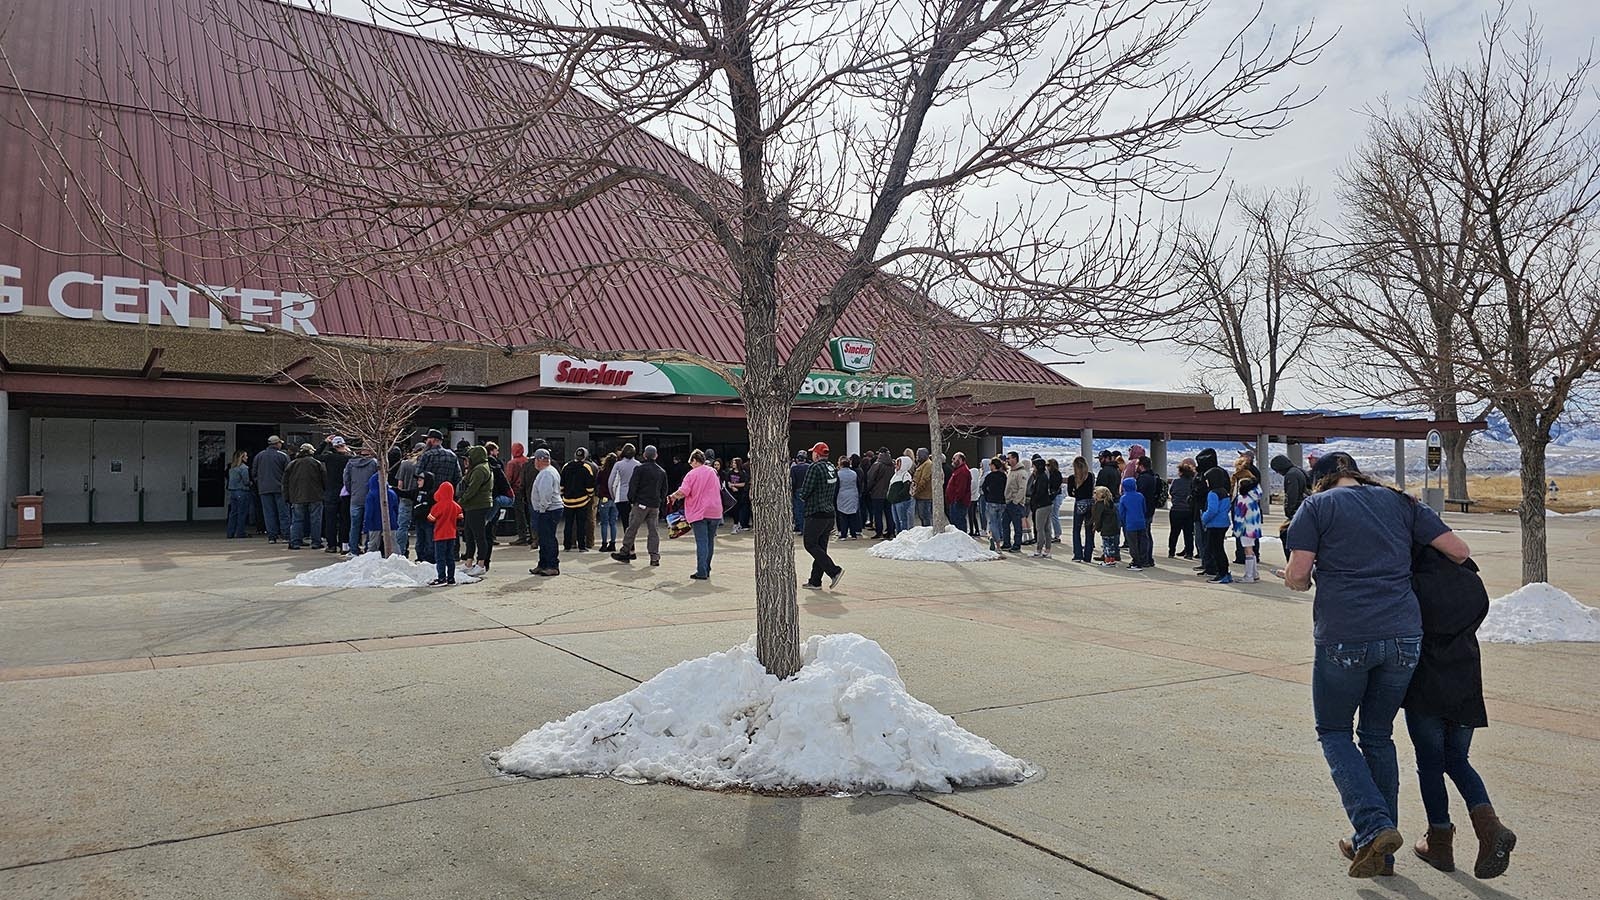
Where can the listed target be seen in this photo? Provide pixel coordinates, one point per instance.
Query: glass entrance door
(209, 469)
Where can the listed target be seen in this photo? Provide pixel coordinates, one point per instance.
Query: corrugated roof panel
(501, 285)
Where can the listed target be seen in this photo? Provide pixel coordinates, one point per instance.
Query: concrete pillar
(519, 428)
(1264, 464)
(852, 437)
(1400, 463)
(989, 446)
(1297, 454)
(1158, 455)
(1086, 447)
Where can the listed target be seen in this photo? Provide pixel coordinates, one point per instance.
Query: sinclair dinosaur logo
(852, 354)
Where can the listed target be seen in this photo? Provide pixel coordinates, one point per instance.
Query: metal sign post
(1433, 492)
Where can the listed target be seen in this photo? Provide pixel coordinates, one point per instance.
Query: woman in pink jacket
(701, 493)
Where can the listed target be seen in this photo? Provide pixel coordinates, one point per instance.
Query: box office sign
(631, 377)
(114, 298)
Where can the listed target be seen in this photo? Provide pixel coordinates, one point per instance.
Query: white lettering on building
(131, 301)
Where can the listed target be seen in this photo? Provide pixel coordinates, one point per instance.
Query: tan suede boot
(1374, 857)
(1436, 848)
(1495, 843)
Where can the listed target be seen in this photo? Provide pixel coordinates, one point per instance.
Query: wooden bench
(1465, 505)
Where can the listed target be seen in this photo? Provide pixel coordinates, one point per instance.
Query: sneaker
(1246, 579)
(833, 581)
(436, 582)
(698, 577)
(1221, 579)
(622, 557)
(655, 561)
(816, 585)
(1035, 554)
(1134, 568)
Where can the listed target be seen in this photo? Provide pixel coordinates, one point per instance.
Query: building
(123, 393)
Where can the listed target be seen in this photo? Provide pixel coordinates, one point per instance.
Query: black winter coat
(648, 487)
(1449, 677)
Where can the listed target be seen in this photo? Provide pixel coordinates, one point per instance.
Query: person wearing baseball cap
(818, 494)
(269, 467)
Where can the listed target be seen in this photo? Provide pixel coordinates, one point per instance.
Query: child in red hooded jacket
(444, 515)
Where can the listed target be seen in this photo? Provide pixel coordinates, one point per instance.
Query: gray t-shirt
(1362, 536)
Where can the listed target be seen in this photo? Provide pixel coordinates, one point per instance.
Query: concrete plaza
(174, 726)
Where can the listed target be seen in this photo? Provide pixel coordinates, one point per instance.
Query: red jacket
(514, 468)
(445, 512)
(959, 488)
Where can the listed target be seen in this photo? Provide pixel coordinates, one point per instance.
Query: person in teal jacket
(1216, 519)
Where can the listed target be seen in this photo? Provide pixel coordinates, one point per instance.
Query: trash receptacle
(30, 521)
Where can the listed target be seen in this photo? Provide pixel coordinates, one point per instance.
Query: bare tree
(817, 128)
(1399, 278)
(1515, 150)
(1248, 319)
(374, 395)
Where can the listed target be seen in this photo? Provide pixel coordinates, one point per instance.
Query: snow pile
(1539, 612)
(924, 545)
(372, 570)
(844, 722)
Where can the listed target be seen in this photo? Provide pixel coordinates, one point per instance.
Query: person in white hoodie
(900, 502)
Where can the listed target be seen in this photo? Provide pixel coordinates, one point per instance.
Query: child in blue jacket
(1247, 524)
(1217, 519)
(1136, 525)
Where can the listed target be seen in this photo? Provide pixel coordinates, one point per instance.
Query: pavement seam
(164, 842)
(575, 655)
(1121, 690)
(1042, 848)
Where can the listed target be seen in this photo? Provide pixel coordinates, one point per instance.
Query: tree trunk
(935, 454)
(777, 609)
(1455, 464)
(1535, 553)
(387, 544)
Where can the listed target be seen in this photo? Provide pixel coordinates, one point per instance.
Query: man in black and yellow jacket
(577, 493)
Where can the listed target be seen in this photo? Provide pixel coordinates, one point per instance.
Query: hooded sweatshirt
(372, 518)
(514, 467)
(477, 488)
(445, 513)
(900, 481)
(1130, 508)
(356, 473)
(1204, 462)
(1295, 484)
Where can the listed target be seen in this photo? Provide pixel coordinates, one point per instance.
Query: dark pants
(849, 523)
(1141, 548)
(624, 513)
(422, 530)
(575, 533)
(1442, 748)
(958, 514)
(817, 530)
(478, 546)
(879, 508)
(524, 523)
(1082, 533)
(924, 513)
(1369, 678)
(334, 509)
(1216, 555)
(799, 510)
(549, 550)
(1182, 524)
(741, 508)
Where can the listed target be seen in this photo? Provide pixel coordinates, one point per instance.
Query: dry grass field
(1500, 492)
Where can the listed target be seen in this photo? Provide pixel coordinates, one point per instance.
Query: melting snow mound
(372, 570)
(844, 722)
(922, 544)
(1536, 613)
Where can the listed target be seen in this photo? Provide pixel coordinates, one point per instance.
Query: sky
(1373, 55)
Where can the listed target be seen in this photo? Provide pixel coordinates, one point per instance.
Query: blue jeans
(705, 544)
(958, 515)
(549, 550)
(275, 514)
(1055, 519)
(997, 524)
(1442, 749)
(1370, 678)
(1014, 514)
(358, 518)
(402, 528)
(444, 560)
(924, 513)
(307, 523)
(238, 513)
(606, 517)
(799, 510)
(983, 514)
(902, 515)
(879, 509)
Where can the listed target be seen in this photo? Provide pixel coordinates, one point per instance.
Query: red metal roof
(505, 289)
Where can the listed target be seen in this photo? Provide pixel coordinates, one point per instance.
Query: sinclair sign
(852, 354)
